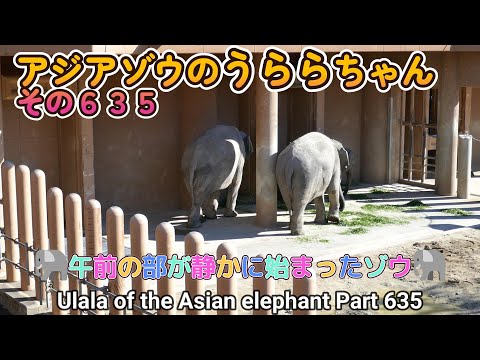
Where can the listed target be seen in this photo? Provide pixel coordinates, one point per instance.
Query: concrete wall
(27, 142)
(343, 116)
(373, 162)
(475, 128)
(137, 161)
(468, 69)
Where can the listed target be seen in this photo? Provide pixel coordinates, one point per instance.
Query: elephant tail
(188, 168)
(342, 199)
(289, 172)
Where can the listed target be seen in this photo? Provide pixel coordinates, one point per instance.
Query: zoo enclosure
(36, 219)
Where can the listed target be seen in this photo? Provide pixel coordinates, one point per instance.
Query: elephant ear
(349, 154)
(49, 256)
(346, 156)
(427, 256)
(343, 153)
(250, 145)
(247, 142)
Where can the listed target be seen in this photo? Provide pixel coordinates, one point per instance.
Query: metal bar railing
(48, 284)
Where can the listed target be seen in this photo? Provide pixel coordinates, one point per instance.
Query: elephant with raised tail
(306, 169)
(212, 163)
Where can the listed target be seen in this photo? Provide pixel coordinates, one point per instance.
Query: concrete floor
(248, 239)
(252, 240)
(474, 183)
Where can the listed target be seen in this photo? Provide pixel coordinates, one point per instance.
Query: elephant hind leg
(233, 193)
(296, 219)
(194, 220)
(320, 217)
(201, 191)
(334, 191)
(195, 217)
(210, 206)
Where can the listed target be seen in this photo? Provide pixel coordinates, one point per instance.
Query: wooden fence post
(262, 285)
(73, 214)
(139, 239)
(10, 219)
(227, 286)
(56, 235)
(305, 286)
(165, 238)
(25, 230)
(93, 237)
(116, 247)
(194, 245)
(40, 228)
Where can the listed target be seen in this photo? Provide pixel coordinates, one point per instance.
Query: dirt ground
(458, 294)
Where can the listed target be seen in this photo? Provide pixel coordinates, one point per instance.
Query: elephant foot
(298, 231)
(230, 213)
(211, 215)
(334, 219)
(320, 220)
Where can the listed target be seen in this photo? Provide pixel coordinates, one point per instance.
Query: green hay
(355, 231)
(381, 207)
(457, 212)
(377, 190)
(311, 239)
(367, 219)
(414, 205)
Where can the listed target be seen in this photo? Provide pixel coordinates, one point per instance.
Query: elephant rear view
(307, 168)
(212, 163)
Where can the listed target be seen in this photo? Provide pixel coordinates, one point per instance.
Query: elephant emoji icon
(429, 261)
(50, 261)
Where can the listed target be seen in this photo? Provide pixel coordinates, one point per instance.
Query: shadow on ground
(244, 226)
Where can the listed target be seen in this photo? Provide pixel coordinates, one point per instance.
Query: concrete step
(18, 302)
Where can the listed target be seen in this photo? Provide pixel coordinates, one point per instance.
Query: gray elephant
(429, 261)
(307, 168)
(50, 261)
(212, 163)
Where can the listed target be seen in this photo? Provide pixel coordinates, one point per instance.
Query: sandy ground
(459, 294)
